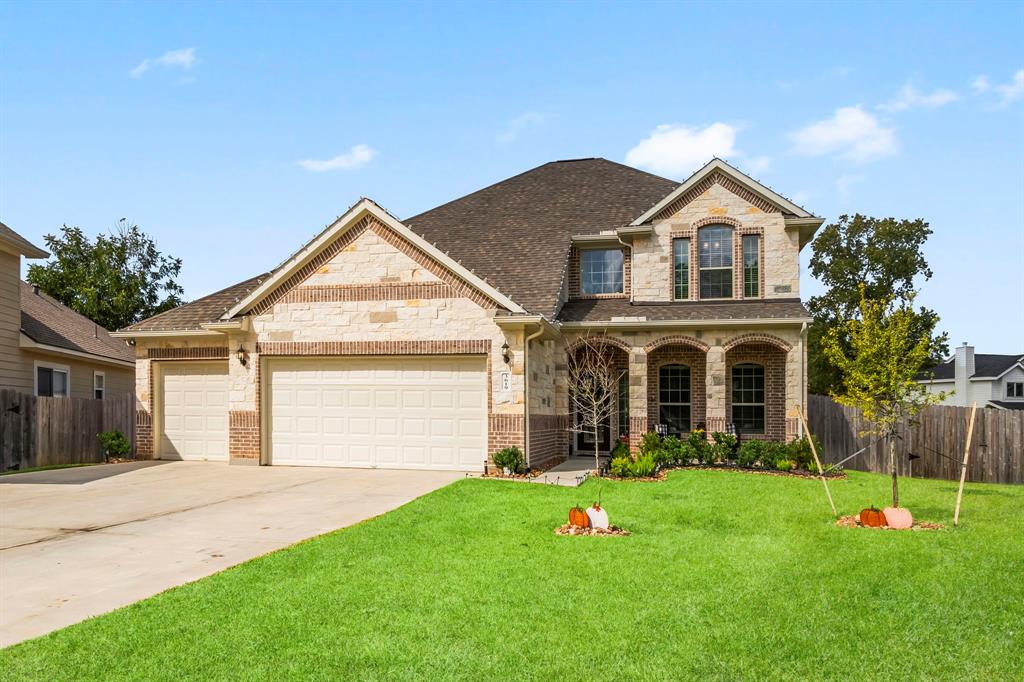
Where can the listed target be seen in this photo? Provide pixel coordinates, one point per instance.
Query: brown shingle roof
(19, 243)
(206, 309)
(604, 309)
(516, 234)
(46, 321)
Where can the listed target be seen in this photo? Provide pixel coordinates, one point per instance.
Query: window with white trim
(601, 271)
(715, 261)
(99, 385)
(53, 381)
(681, 269)
(1015, 389)
(751, 266)
(674, 398)
(748, 398)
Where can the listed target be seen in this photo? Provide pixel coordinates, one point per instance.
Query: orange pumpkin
(872, 518)
(578, 517)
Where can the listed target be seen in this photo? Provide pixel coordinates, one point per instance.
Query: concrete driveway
(76, 543)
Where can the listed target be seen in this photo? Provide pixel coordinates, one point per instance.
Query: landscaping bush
(114, 444)
(620, 466)
(511, 459)
(671, 451)
(650, 442)
(723, 448)
(752, 452)
(799, 450)
(621, 448)
(699, 445)
(643, 467)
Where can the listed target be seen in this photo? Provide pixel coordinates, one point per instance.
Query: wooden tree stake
(814, 451)
(963, 467)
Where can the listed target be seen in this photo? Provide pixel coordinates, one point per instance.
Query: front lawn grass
(726, 576)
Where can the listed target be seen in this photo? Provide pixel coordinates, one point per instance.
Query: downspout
(803, 375)
(526, 390)
(630, 247)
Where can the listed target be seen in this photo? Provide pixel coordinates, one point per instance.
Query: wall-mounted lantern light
(243, 357)
(504, 353)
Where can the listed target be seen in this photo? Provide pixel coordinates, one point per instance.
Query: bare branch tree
(593, 381)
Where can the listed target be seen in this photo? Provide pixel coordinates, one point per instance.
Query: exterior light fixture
(504, 353)
(243, 357)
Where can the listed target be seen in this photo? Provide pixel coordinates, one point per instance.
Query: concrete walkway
(76, 543)
(569, 473)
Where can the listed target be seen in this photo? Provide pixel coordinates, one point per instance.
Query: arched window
(715, 260)
(748, 398)
(674, 398)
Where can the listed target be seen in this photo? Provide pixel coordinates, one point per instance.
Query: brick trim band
(676, 339)
(706, 184)
(716, 220)
(601, 340)
(400, 291)
(454, 347)
(194, 353)
(757, 338)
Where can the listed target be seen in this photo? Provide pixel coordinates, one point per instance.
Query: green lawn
(726, 576)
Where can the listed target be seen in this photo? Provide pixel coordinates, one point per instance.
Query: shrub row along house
(47, 349)
(435, 341)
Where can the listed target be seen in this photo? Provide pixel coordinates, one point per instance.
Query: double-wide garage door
(401, 412)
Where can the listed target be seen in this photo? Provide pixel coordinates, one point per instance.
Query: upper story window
(99, 385)
(681, 269)
(715, 249)
(52, 381)
(751, 266)
(601, 271)
(1015, 389)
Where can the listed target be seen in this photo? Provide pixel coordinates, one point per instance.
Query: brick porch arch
(716, 220)
(757, 338)
(602, 339)
(678, 340)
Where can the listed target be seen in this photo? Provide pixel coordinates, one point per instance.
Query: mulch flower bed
(663, 473)
(569, 529)
(854, 522)
(533, 473)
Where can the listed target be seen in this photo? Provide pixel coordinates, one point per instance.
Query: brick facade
(575, 290)
(678, 355)
(244, 436)
(773, 360)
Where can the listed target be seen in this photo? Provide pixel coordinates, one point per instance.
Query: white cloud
(184, 58)
(679, 150)
(1013, 90)
(518, 125)
(844, 183)
(356, 157)
(910, 98)
(851, 133)
(981, 83)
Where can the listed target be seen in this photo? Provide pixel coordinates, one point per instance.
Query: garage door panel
(194, 419)
(379, 412)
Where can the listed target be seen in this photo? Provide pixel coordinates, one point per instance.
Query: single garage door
(195, 410)
(400, 412)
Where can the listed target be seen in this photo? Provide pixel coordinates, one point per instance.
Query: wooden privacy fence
(44, 431)
(937, 437)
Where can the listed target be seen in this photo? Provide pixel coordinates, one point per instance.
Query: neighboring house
(435, 341)
(988, 380)
(46, 348)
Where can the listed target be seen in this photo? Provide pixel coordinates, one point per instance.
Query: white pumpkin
(598, 517)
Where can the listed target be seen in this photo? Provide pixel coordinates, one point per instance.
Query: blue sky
(235, 132)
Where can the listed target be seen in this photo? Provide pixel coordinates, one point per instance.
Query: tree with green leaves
(880, 353)
(116, 280)
(882, 255)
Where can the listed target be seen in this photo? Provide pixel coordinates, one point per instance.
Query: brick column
(244, 431)
(716, 385)
(638, 422)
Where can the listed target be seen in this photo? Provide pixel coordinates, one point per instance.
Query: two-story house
(984, 379)
(434, 341)
(47, 349)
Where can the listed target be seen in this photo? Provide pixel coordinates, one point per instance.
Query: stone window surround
(739, 231)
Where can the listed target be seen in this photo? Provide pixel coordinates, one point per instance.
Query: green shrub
(621, 448)
(751, 452)
(620, 467)
(511, 459)
(723, 448)
(699, 445)
(642, 467)
(114, 444)
(799, 450)
(783, 465)
(650, 442)
(671, 451)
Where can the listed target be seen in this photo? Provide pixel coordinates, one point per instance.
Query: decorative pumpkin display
(578, 517)
(598, 517)
(898, 517)
(872, 518)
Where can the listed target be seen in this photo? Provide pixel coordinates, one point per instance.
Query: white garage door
(400, 413)
(195, 410)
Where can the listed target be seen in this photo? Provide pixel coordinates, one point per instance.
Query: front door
(585, 441)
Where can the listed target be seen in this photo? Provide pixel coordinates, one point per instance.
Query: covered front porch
(738, 381)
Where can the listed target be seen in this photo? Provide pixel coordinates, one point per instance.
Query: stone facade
(652, 276)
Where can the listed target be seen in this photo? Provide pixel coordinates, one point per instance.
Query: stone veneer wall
(780, 252)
